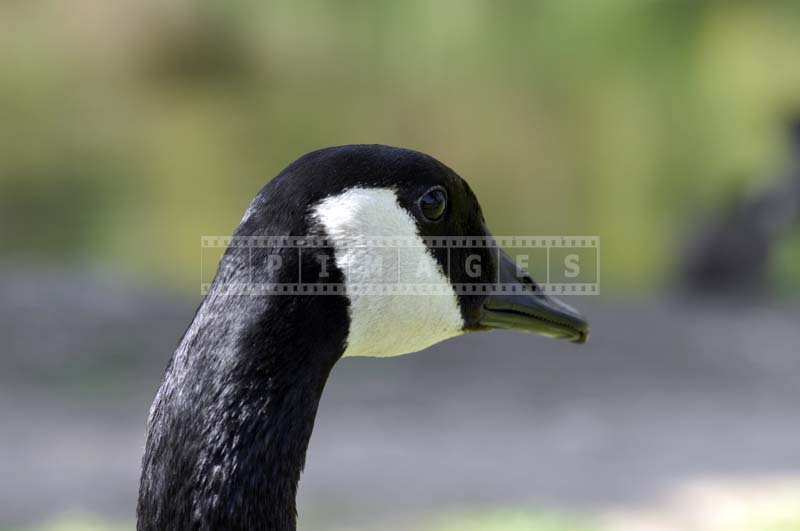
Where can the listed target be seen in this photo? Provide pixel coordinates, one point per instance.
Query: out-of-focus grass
(500, 520)
(744, 505)
(721, 504)
(128, 130)
(506, 520)
(78, 522)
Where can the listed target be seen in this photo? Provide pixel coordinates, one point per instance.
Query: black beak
(524, 307)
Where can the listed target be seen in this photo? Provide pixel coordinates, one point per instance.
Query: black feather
(230, 424)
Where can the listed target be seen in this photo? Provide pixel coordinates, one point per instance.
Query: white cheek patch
(387, 324)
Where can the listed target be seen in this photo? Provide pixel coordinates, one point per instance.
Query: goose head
(406, 238)
(230, 424)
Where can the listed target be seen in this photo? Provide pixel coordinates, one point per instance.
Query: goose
(228, 430)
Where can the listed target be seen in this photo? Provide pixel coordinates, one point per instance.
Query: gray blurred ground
(662, 392)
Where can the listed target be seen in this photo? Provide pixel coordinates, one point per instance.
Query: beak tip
(582, 338)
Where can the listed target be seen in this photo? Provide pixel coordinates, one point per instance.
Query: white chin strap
(387, 324)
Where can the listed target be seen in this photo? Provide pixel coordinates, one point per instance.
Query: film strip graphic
(560, 265)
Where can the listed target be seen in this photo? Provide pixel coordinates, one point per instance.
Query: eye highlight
(433, 203)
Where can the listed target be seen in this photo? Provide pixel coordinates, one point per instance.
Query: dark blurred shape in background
(732, 255)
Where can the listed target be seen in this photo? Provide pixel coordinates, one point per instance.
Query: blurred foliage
(782, 516)
(507, 520)
(79, 522)
(131, 128)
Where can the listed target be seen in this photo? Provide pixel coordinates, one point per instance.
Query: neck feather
(230, 425)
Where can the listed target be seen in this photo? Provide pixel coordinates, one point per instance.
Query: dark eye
(433, 203)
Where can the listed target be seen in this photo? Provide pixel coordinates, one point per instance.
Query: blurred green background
(131, 128)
